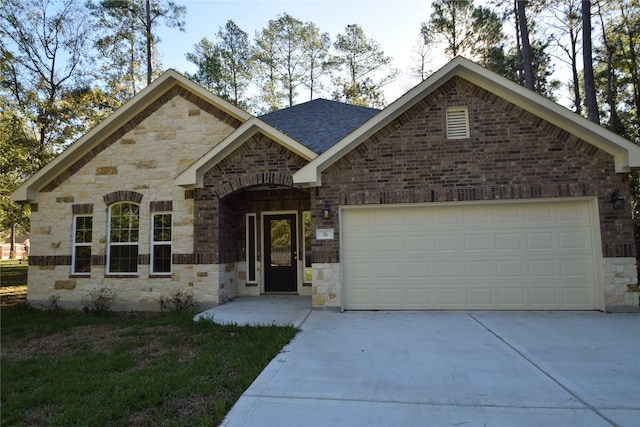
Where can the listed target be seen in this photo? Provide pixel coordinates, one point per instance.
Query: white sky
(395, 25)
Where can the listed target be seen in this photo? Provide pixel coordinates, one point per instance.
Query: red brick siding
(220, 206)
(510, 154)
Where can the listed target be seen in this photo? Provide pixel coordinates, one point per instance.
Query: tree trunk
(149, 37)
(527, 54)
(12, 248)
(614, 120)
(589, 80)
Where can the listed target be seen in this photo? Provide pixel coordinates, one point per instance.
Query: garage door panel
(577, 269)
(540, 241)
(418, 298)
(417, 270)
(416, 243)
(492, 256)
(513, 269)
(508, 241)
(360, 271)
(449, 297)
(574, 240)
(513, 297)
(482, 269)
(446, 242)
(447, 270)
(480, 297)
(389, 270)
(478, 242)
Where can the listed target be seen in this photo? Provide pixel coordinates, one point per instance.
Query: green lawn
(13, 282)
(13, 273)
(67, 368)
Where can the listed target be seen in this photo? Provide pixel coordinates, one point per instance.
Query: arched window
(124, 234)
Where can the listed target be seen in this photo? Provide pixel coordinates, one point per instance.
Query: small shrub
(53, 302)
(100, 300)
(177, 302)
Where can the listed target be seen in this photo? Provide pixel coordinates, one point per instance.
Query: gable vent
(457, 123)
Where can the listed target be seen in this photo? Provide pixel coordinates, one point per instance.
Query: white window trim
(255, 246)
(163, 243)
(304, 249)
(76, 244)
(110, 243)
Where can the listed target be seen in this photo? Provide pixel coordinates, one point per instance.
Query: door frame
(262, 251)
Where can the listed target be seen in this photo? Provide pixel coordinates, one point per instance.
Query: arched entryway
(263, 233)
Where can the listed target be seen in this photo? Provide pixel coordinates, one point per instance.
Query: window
(161, 244)
(124, 233)
(252, 253)
(82, 233)
(457, 122)
(306, 224)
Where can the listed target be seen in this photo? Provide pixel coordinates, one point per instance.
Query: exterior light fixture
(326, 210)
(617, 200)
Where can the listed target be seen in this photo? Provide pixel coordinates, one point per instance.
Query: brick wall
(220, 206)
(510, 154)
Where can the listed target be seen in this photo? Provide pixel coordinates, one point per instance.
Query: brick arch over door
(250, 180)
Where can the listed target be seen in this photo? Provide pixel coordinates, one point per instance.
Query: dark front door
(280, 253)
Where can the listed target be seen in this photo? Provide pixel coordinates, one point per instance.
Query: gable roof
(92, 139)
(194, 174)
(625, 153)
(319, 124)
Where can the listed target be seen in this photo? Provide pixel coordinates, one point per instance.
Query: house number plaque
(324, 234)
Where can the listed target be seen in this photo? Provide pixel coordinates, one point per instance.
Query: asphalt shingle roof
(319, 124)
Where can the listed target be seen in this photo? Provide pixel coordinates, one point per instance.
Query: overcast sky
(395, 25)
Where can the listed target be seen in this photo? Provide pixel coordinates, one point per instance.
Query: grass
(66, 368)
(13, 282)
(13, 272)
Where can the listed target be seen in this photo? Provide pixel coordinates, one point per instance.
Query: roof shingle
(319, 124)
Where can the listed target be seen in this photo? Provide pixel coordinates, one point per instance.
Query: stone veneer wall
(142, 158)
(621, 284)
(511, 154)
(326, 291)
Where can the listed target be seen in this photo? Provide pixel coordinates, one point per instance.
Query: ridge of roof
(320, 123)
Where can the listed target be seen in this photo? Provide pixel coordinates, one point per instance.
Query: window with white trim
(457, 122)
(82, 237)
(306, 232)
(124, 235)
(161, 243)
(252, 251)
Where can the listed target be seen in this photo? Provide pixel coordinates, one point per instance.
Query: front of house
(467, 193)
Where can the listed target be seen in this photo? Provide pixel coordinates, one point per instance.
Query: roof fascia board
(29, 189)
(193, 176)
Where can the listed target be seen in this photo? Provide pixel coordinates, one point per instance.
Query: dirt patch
(194, 407)
(96, 338)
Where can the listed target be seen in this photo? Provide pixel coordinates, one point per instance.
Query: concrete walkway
(451, 368)
(285, 310)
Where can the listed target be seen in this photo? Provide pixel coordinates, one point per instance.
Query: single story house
(469, 192)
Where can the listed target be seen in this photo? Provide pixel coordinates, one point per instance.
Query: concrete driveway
(451, 369)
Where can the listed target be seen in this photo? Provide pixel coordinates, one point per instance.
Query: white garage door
(491, 256)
